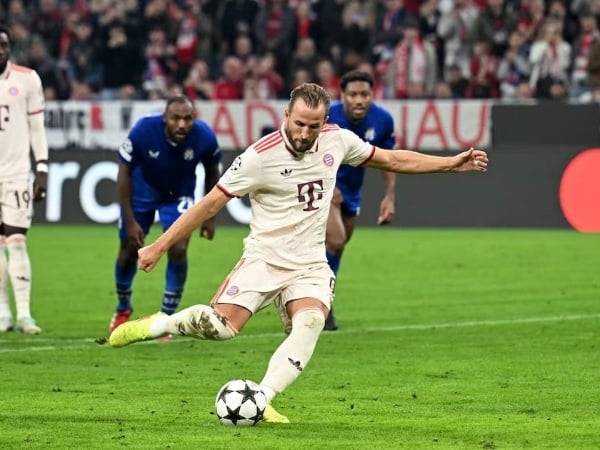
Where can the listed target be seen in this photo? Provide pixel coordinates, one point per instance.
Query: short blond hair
(312, 94)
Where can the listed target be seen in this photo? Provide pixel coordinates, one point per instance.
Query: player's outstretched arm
(206, 208)
(406, 161)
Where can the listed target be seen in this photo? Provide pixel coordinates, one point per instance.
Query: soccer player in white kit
(290, 177)
(21, 129)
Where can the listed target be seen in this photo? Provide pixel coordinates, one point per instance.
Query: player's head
(305, 115)
(357, 93)
(179, 117)
(4, 46)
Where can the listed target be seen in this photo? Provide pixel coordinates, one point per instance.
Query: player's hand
(387, 209)
(135, 233)
(207, 230)
(39, 186)
(148, 257)
(470, 161)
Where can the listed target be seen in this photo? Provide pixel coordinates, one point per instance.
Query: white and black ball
(240, 403)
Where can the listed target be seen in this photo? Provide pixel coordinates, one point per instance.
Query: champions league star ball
(240, 403)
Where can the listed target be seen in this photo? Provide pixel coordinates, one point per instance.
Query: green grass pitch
(448, 339)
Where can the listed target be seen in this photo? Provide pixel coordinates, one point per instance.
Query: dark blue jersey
(162, 170)
(377, 128)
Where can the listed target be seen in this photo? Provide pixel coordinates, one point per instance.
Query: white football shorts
(254, 284)
(16, 202)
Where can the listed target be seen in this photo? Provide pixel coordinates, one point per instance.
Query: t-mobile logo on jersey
(308, 190)
(4, 115)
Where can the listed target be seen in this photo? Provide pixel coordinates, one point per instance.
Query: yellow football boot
(272, 416)
(133, 331)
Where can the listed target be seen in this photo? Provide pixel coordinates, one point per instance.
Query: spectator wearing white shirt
(550, 58)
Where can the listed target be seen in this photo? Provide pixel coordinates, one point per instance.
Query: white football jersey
(21, 95)
(290, 193)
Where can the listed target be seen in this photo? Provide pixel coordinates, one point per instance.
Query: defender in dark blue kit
(157, 173)
(357, 113)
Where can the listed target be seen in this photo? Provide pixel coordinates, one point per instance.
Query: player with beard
(157, 173)
(290, 177)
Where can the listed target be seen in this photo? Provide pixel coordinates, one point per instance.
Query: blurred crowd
(253, 49)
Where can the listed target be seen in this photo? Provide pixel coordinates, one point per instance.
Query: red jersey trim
(35, 112)
(225, 191)
(268, 146)
(21, 69)
(369, 158)
(265, 141)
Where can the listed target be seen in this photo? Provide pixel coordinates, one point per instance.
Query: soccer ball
(240, 403)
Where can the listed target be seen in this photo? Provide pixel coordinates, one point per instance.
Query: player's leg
(177, 264)
(342, 228)
(17, 210)
(348, 220)
(6, 321)
(306, 301)
(335, 235)
(199, 321)
(19, 271)
(232, 306)
(175, 275)
(335, 241)
(294, 353)
(126, 268)
(349, 223)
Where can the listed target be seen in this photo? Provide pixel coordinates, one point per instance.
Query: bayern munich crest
(233, 290)
(328, 160)
(13, 91)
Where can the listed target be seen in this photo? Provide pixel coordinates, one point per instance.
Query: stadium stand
(248, 49)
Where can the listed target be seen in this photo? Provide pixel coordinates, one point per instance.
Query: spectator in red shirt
(304, 20)
(231, 85)
(483, 67)
(269, 83)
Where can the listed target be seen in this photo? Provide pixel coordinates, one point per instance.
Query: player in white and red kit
(21, 129)
(290, 176)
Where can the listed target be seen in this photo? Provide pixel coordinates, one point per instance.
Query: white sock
(269, 393)
(19, 270)
(292, 356)
(4, 306)
(199, 321)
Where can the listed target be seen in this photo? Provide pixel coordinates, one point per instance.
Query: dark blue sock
(334, 262)
(175, 280)
(123, 280)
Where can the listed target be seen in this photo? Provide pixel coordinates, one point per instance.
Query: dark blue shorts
(145, 212)
(351, 201)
